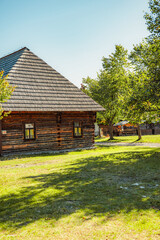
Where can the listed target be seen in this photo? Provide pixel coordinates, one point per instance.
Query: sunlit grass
(130, 139)
(104, 193)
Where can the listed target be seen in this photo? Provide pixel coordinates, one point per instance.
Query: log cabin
(47, 111)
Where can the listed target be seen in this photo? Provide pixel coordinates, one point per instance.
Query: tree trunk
(111, 131)
(139, 132)
(100, 133)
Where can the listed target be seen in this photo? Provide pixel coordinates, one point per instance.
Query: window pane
(29, 125)
(78, 132)
(77, 129)
(31, 133)
(76, 124)
(27, 134)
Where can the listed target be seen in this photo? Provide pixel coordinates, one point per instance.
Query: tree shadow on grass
(96, 186)
(34, 154)
(116, 139)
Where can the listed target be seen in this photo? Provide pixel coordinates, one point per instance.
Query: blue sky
(72, 36)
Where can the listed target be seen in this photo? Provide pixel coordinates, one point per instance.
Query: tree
(144, 98)
(110, 87)
(152, 50)
(143, 103)
(136, 107)
(5, 92)
(153, 18)
(145, 58)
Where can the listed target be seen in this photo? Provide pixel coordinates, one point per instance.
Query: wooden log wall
(52, 133)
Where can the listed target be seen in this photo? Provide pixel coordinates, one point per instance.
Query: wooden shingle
(41, 88)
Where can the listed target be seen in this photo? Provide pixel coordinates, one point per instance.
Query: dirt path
(129, 144)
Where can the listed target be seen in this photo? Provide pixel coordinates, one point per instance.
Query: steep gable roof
(41, 88)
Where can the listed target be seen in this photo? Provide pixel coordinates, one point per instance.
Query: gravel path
(129, 144)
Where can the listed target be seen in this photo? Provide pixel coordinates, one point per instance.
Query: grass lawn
(129, 139)
(105, 193)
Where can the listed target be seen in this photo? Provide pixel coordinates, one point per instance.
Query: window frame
(29, 139)
(81, 126)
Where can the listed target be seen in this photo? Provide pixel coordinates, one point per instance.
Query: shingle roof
(41, 88)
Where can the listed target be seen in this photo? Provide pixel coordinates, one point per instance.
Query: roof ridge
(15, 52)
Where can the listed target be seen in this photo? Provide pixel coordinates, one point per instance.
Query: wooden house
(48, 112)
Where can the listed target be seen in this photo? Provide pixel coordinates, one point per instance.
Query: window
(77, 129)
(29, 131)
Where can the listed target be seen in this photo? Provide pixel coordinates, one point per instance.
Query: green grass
(82, 195)
(130, 139)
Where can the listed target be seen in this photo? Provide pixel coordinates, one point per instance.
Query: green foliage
(132, 95)
(5, 92)
(136, 105)
(152, 52)
(110, 87)
(144, 101)
(153, 18)
(145, 98)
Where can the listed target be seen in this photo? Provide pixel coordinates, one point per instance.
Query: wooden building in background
(48, 112)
